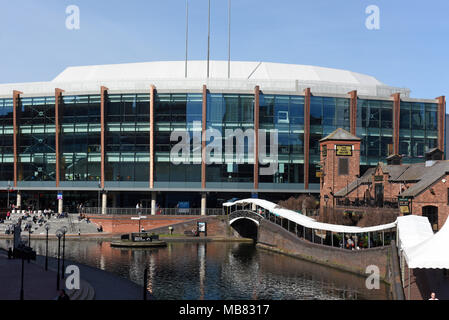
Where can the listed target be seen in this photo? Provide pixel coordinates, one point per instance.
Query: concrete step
(86, 292)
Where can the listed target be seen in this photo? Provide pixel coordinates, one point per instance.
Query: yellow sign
(344, 150)
(405, 209)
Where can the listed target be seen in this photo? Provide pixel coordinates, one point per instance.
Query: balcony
(390, 203)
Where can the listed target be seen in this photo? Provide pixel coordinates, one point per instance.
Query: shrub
(298, 203)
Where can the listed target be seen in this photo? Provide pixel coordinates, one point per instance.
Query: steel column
(152, 98)
(353, 112)
(104, 92)
(16, 100)
(307, 95)
(58, 94)
(441, 122)
(396, 121)
(203, 139)
(256, 136)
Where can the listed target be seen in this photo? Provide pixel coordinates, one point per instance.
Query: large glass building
(103, 135)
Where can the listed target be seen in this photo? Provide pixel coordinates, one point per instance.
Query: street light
(9, 187)
(29, 226)
(47, 227)
(59, 235)
(64, 231)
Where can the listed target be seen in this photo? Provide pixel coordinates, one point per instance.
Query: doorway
(431, 212)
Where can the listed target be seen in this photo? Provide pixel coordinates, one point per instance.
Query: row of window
(127, 118)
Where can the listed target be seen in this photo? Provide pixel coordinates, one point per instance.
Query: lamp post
(59, 235)
(64, 231)
(9, 188)
(47, 227)
(29, 226)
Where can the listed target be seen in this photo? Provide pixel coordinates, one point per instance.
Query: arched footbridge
(248, 217)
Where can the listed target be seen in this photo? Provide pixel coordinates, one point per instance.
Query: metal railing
(159, 211)
(372, 203)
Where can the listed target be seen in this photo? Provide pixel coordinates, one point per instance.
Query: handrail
(159, 211)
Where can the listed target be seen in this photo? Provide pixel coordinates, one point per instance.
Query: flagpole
(208, 42)
(229, 40)
(187, 35)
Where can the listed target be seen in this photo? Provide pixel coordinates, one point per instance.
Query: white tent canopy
(307, 221)
(413, 230)
(432, 253)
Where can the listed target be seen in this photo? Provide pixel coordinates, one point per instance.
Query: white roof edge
(270, 76)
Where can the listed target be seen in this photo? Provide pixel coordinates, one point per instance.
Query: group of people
(354, 242)
(82, 217)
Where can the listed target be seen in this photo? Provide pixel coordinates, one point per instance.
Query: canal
(218, 271)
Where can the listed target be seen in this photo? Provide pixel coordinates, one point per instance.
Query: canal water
(218, 271)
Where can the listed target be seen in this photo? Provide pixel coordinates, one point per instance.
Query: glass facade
(286, 115)
(36, 147)
(80, 139)
(418, 130)
(226, 113)
(326, 115)
(181, 113)
(127, 138)
(375, 127)
(6, 140)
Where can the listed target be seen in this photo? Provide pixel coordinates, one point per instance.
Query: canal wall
(216, 226)
(275, 238)
(119, 224)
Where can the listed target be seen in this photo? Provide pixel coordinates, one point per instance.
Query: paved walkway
(38, 284)
(41, 284)
(107, 286)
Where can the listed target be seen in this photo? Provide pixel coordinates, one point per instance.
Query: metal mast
(208, 42)
(229, 40)
(187, 35)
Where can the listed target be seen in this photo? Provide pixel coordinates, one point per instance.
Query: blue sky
(410, 49)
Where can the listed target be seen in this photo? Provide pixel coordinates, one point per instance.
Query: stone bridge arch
(246, 223)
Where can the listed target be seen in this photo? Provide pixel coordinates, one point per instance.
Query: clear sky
(409, 50)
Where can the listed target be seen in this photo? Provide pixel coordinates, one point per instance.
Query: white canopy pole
(409, 283)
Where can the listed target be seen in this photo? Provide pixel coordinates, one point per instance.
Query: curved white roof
(172, 70)
(170, 75)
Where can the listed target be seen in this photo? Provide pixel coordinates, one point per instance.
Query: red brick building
(418, 188)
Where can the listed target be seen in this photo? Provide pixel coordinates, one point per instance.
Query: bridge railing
(159, 211)
(340, 240)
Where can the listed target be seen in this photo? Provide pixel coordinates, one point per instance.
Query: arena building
(101, 135)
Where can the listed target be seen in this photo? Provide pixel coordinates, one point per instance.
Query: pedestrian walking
(433, 296)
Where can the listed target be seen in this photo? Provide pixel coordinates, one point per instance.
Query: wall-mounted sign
(404, 205)
(345, 151)
(378, 178)
(202, 227)
(324, 151)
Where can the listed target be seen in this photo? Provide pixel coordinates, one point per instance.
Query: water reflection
(212, 271)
